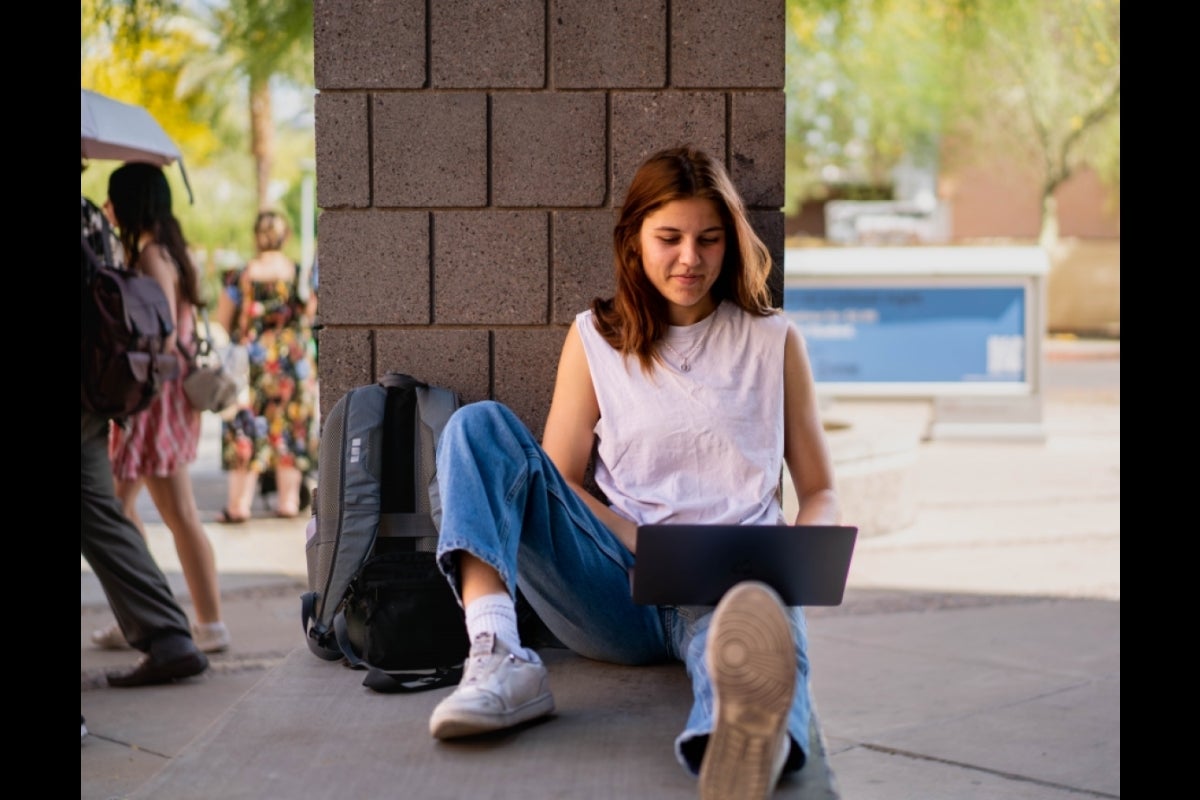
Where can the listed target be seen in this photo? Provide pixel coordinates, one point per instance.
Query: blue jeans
(504, 502)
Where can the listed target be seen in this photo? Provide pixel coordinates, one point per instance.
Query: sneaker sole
(454, 724)
(752, 663)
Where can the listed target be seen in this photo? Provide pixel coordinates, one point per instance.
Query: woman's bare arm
(805, 449)
(158, 264)
(570, 431)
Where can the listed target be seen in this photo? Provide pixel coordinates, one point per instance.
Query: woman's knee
(485, 420)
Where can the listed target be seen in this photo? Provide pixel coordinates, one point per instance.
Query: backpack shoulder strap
(399, 380)
(392, 682)
(435, 404)
(386, 682)
(349, 529)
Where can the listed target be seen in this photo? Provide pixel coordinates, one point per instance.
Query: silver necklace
(685, 359)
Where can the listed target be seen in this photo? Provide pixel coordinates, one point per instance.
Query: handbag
(209, 386)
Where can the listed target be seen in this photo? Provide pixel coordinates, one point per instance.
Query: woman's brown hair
(635, 318)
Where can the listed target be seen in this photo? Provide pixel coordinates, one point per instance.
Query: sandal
(226, 518)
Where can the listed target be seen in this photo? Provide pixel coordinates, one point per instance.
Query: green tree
(143, 53)
(167, 56)
(140, 53)
(1048, 88)
(871, 82)
(263, 40)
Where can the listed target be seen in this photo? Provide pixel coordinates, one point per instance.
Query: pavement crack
(1012, 776)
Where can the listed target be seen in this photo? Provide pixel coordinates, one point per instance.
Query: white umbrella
(112, 130)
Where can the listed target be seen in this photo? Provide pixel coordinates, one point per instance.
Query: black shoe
(148, 672)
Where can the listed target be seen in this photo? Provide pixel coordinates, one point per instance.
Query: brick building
(471, 157)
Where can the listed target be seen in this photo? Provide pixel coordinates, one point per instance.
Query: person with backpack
(692, 391)
(154, 447)
(138, 592)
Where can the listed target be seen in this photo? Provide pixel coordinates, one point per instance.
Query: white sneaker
(752, 663)
(110, 638)
(210, 637)
(498, 690)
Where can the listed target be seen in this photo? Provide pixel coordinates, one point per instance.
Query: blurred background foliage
(871, 85)
(875, 84)
(231, 81)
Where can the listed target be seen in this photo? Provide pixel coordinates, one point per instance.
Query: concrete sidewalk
(977, 653)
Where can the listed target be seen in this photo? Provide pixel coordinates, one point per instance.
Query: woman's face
(682, 248)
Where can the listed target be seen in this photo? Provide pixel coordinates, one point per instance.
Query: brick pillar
(471, 158)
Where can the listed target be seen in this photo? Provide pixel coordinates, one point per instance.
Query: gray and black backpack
(375, 596)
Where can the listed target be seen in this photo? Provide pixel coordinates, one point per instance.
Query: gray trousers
(136, 588)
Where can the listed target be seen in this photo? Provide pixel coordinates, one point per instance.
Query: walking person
(692, 391)
(265, 311)
(154, 447)
(147, 613)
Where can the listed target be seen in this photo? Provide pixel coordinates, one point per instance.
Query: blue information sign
(935, 334)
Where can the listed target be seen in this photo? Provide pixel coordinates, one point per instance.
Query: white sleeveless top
(702, 445)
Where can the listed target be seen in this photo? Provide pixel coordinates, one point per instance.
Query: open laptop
(696, 564)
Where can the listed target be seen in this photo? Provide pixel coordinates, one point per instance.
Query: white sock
(496, 614)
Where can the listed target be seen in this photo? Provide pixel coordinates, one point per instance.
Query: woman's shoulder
(773, 321)
(757, 330)
(155, 259)
(585, 324)
(264, 268)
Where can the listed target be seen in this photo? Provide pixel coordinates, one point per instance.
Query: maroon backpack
(123, 356)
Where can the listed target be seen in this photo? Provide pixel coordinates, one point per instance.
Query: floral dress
(276, 428)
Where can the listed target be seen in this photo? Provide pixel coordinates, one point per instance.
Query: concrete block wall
(472, 156)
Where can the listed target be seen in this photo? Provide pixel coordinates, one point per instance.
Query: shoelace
(487, 662)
